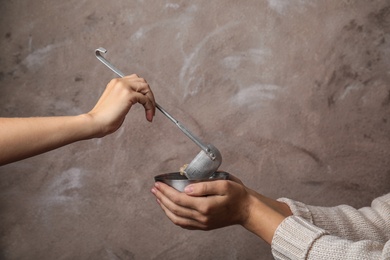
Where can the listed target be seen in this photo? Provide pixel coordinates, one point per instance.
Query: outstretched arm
(216, 204)
(25, 137)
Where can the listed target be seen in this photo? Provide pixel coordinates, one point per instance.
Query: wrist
(89, 127)
(264, 216)
(252, 217)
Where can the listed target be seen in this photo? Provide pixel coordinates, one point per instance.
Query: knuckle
(181, 223)
(176, 221)
(117, 84)
(204, 220)
(186, 226)
(176, 200)
(142, 79)
(175, 211)
(225, 185)
(115, 81)
(204, 188)
(205, 210)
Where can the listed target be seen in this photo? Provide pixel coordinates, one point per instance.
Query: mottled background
(294, 93)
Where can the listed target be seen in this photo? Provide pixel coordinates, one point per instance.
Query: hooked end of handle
(99, 51)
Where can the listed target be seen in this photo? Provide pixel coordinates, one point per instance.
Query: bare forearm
(25, 137)
(265, 216)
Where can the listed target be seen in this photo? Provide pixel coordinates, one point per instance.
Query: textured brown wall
(295, 94)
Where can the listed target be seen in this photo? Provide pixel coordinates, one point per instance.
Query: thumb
(206, 188)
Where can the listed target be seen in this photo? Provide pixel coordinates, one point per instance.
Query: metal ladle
(206, 163)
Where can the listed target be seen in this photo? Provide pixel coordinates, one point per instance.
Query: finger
(183, 222)
(148, 105)
(136, 78)
(199, 213)
(144, 88)
(169, 194)
(150, 96)
(136, 97)
(140, 85)
(181, 199)
(137, 84)
(174, 201)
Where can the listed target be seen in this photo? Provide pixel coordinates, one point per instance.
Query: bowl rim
(176, 176)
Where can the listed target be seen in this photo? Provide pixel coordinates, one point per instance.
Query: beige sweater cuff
(294, 237)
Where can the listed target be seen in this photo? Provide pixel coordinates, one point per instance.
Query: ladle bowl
(202, 166)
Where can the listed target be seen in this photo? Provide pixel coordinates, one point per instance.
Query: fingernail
(153, 190)
(157, 185)
(188, 189)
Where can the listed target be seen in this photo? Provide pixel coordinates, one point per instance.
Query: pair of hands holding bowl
(219, 203)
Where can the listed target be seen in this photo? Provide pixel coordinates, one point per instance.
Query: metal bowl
(179, 182)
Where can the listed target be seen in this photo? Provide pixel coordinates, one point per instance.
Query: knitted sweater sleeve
(340, 232)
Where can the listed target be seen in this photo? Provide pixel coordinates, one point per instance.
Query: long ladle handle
(196, 140)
